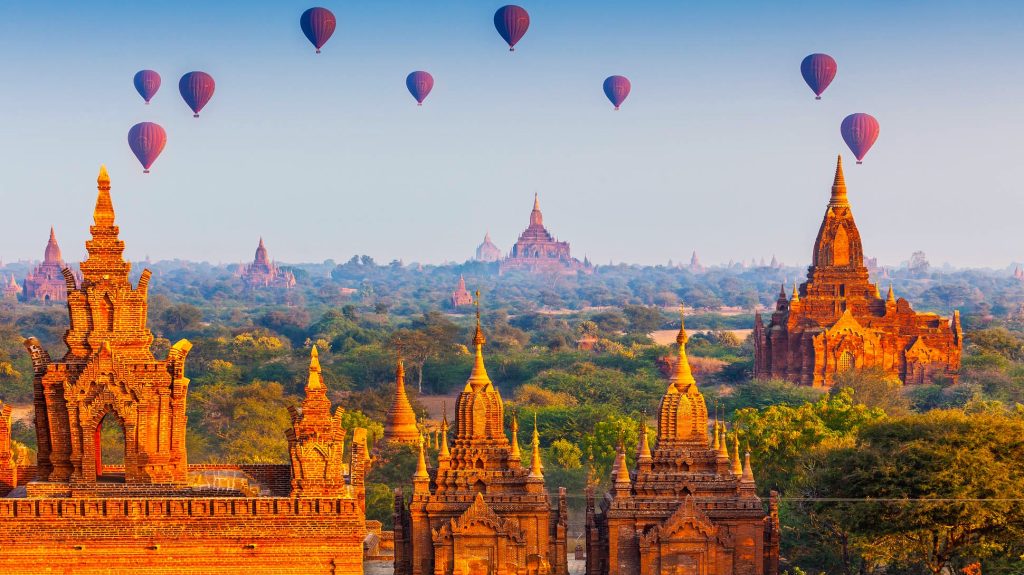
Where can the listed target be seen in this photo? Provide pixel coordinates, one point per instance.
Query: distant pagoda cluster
(537, 251)
(838, 320)
(264, 273)
(46, 282)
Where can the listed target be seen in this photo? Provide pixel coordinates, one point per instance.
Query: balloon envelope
(818, 71)
(860, 132)
(147, 82)
(147, 140)
(196, 89)
(512, 22)
(318, 24)
(420, 84)
(616, 88)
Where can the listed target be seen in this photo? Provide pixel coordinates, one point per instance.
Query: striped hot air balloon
(147, 140)
(196, 89)
(318, 25)
(860, 132)
(147, 82)
(512, 22)
(818, 71)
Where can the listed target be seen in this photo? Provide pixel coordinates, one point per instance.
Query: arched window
(847, 361)
(841, 248)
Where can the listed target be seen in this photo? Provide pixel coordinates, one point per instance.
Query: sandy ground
(668, 336)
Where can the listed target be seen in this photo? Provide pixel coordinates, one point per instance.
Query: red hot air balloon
(196, 89)
(512, 22)
(318, 25)
(616, 88)
(818, 71)
(420, 84)
(147, 140)
(147, 82)
(860, 132)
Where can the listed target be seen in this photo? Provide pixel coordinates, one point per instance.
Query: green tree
(642, 319)
(874, 387)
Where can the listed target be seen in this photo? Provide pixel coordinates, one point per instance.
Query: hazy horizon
(720, 148)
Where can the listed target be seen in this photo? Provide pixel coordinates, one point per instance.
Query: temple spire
(103, 214)
(316, 378)
(643, 453)
(478, 379)
(400, 422)
(682, 380)
(748, 471)
(796, 294)
(516, 453)
(737, 467)
(839, 187)
(536, 469)
(536, 218)
(421, 474)
(444, 451)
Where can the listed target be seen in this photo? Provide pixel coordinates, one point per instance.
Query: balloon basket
(147, 103)
(817, 97)
(511, 49)
(419, 103)
(616, 108)
(195, 115)
(318, 51)
(145, 171)
(859, 162)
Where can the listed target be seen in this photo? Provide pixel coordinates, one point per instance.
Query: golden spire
(682, 379)
(400, 422)
(478, 379)
(878, 294)
(715, 445)
(536, 201)
(737, 467)
(839, 187)
(536, 469)
(891, 298)
(421, 464)
(796, 294)
(621, 478)
(723, 445)
(103, 215)
(748, 472)
(444, 452)
(316, 378)
(644, 451)
(516, 454)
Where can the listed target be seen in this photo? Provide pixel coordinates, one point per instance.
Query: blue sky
(720, 147)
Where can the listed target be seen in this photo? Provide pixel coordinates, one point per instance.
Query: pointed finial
(516, 453)
(421, 464)
(644, 451)
(621, 479)
(444, 452)
(478, 378)
(839, 186)
(737, 467)
(103, 214)
(399, 372)
(796, 294)
(782, 291)
(104, 178)
(536, 469)
(891, 297)
(536, 201)
(878, 294)
(723, 444)
(682, 378)
(748, 472)
(316, 378)
(53, 236)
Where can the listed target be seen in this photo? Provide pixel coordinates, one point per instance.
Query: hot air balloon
(512, 22)
(147, 82)
(616, 88)
(818, 71)
(196, 89)
(860, 132)
(420, 84)
(147, 140)
(318, 25)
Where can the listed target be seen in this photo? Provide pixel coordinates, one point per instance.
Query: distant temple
(487, 251)
(537, 251)
(690, 506)
(263, 273)
(11, 289)
(1018, 274)
(837, 320)
(400, 423)
(154, 513)
(461, 296)
(695, 265)
(480, 510)
(46, 281)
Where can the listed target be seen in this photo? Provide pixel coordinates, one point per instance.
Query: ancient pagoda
(487, 251)
(690, 506)
(46, 282)
(264, 273)
(480, 510)
(400, 423)
(461, 296)
(838, 320)
(537, 251)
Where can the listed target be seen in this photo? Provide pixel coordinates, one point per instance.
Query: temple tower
(400, 424)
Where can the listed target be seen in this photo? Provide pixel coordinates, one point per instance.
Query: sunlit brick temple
(838, 320)
(537, 251)
(690, 507)
(480, 510)
(156, 514)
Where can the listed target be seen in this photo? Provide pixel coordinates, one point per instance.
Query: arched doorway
(110, 448)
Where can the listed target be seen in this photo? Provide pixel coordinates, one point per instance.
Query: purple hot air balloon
(196, 89)
(818, 71)
(420, 84)
(512, 22)
(616, 88)
(318, 25)
(860, 132)
(147, 140)
(147, 82)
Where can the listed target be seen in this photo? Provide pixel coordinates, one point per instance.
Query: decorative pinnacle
(737, 467)
(536, 469)
(421, 464)
(478, 338)
(891, 297)
(796, 293)
(748, 471)
(839, 186)
(103, 214)
(516, 453)
(316, 378)
(682, 379)
(104, 178)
